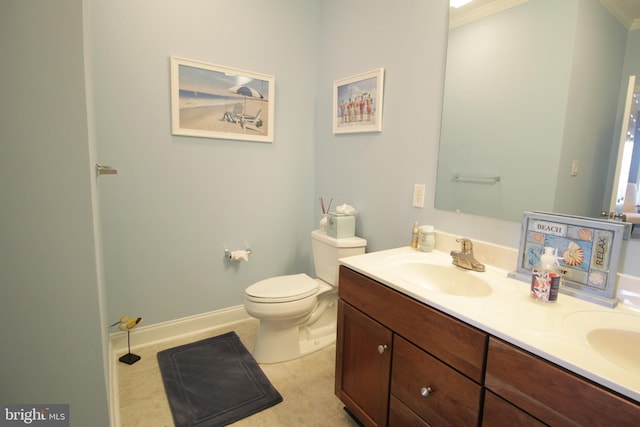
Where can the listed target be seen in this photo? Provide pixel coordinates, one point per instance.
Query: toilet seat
(282, 289)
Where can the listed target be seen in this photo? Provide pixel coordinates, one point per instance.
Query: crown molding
(613, 6)
(462, 18)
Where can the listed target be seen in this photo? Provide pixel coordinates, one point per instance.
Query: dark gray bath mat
(214, 382)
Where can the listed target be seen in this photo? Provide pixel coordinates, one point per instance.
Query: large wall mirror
(533, 97)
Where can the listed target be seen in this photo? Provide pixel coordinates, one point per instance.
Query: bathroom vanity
(407, 354)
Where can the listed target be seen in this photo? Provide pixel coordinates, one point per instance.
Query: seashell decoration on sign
(573, 255)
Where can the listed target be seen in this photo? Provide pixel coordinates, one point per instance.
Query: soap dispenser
(545, 277)
(414, 235)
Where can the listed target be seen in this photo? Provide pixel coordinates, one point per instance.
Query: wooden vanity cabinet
(400, 362)
(550, 393)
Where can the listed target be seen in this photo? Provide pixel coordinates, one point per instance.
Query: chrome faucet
(464, 258)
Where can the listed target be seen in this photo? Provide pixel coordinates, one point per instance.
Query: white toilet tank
(327, 250)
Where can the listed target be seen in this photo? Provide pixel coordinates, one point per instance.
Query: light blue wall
(51, 331)
(178, 202)
(375, 172)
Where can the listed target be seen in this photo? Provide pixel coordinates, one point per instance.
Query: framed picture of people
(357, 102)
(214, 101)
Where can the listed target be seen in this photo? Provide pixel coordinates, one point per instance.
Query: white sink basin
(447, 279)
(620, 347)
(614, 336)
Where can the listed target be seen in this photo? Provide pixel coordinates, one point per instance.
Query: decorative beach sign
(213, 101)
(587, 250)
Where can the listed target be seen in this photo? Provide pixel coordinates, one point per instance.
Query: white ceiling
(626, 11)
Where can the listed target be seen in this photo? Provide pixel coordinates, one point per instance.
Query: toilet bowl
(298, 313)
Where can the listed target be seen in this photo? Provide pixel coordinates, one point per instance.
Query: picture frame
(358, 102)
(215, 101)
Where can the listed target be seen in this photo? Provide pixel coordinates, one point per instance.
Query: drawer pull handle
(382, 348)
(426, 391)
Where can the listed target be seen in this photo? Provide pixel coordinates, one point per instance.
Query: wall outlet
(418, 195)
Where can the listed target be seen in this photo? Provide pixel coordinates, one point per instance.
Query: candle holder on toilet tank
(126, 324)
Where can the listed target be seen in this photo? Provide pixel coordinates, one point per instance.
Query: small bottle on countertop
(545, 277)
(414, 235)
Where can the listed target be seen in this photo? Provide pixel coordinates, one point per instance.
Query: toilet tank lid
(346, 242)
(283, 287)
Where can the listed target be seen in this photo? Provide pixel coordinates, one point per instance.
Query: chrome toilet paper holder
(228, 253)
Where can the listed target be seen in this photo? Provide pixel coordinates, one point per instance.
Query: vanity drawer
(550, 393)
(450, 340)
(434, 391)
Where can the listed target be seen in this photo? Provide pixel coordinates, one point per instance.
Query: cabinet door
(435, 392)
(552, 394)
(363, 365)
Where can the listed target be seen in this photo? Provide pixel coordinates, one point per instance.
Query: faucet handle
(466, 245)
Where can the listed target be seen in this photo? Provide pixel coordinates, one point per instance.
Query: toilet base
(274, 345)
(317, 340)
(281, 339)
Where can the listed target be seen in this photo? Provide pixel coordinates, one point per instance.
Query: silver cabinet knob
(426, 391)
(382, 348)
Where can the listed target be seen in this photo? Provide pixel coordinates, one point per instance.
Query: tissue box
(341, 225)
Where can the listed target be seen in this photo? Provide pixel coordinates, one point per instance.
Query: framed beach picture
(357, 102)
(213, 101)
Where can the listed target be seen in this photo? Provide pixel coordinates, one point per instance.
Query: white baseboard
(146, 335)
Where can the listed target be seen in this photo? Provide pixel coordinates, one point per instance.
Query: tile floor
(306, 385)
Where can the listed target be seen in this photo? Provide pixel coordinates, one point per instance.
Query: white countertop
(556, 332)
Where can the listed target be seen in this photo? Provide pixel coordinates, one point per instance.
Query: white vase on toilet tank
(298, 314)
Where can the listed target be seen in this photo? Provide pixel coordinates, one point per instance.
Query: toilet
(298, 314)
